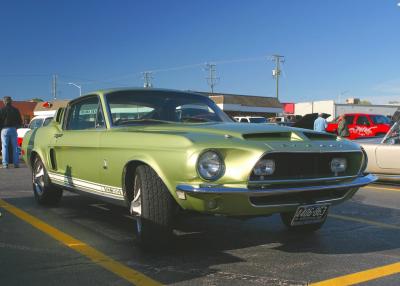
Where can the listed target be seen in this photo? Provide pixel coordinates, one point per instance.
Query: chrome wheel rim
(136, 204)
(38, 178)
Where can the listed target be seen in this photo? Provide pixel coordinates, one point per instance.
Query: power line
(24, 75)
(183, 67)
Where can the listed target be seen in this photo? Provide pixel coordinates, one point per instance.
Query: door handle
(58, 135)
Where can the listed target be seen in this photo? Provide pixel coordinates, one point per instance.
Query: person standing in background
(10, 120)
(343, 129)
(320, 123)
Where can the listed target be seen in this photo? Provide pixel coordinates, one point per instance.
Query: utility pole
(147, 76)
(54, 86)
(212, 80)
(276, 73)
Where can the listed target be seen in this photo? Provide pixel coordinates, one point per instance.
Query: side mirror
(59, 115)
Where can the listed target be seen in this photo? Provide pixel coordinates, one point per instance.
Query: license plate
(306, 214)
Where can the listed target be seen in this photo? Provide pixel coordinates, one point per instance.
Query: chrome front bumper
(271, 190)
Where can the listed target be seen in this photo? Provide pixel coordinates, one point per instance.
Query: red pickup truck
(362, 125)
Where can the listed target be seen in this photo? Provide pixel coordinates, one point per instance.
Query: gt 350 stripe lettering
(86, 186)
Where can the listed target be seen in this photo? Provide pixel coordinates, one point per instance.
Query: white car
(383, 155)
(250, 119)
(36, 122)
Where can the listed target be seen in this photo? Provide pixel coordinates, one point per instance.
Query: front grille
(306, 197)
(296, 166)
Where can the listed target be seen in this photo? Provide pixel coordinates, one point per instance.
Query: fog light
(181, 195)
(212, 204)
(264, 167)
(338, 165)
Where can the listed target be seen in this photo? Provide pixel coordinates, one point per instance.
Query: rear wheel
(153, 207)
(287, 219)
(45, 192)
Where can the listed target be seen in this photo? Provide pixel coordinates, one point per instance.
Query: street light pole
(78, 86)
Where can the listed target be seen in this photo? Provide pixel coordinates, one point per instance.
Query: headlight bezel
(265, 174)
(221, 171)
(364, 162)
(337, 171)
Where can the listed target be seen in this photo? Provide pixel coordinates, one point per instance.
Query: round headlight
(210, 166)
(338, 165)
(264, 167)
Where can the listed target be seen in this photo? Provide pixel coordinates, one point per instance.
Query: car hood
(217, 128)
(250, 131)
(261, 136)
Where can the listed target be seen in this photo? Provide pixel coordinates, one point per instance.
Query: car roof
(135, 89)
(358, 113)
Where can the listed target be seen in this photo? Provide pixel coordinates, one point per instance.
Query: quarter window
(85, 114)
(36, 123)
(47, 121)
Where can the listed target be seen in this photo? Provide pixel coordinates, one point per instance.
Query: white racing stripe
(86, 186)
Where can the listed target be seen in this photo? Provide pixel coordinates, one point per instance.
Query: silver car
(384, 155)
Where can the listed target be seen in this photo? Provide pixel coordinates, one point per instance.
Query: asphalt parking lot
(87, 242)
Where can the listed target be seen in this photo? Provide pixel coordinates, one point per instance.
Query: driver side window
(85, 114)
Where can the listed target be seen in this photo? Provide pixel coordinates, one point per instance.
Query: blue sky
(330, 46)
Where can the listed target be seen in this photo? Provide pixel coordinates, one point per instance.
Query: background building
(246, 105)
(25, 108)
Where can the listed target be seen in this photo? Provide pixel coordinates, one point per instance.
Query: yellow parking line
(383, 189)
(360, 220)
(362, 276)
(93, 254)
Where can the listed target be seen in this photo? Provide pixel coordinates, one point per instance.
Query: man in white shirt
(320, 123)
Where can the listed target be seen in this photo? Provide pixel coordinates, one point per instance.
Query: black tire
(287, 219)
(45, 192)
(157, 209)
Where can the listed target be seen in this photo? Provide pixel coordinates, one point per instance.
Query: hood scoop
(319, 136)
(273, 136)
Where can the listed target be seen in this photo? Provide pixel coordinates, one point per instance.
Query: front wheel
(287, 219)
(45, 192)
(153, 207)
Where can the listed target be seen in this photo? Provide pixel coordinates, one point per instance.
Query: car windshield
(258, 120)
(158, 107)
(380, 119)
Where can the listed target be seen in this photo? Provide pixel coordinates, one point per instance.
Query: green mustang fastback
(161, 152)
